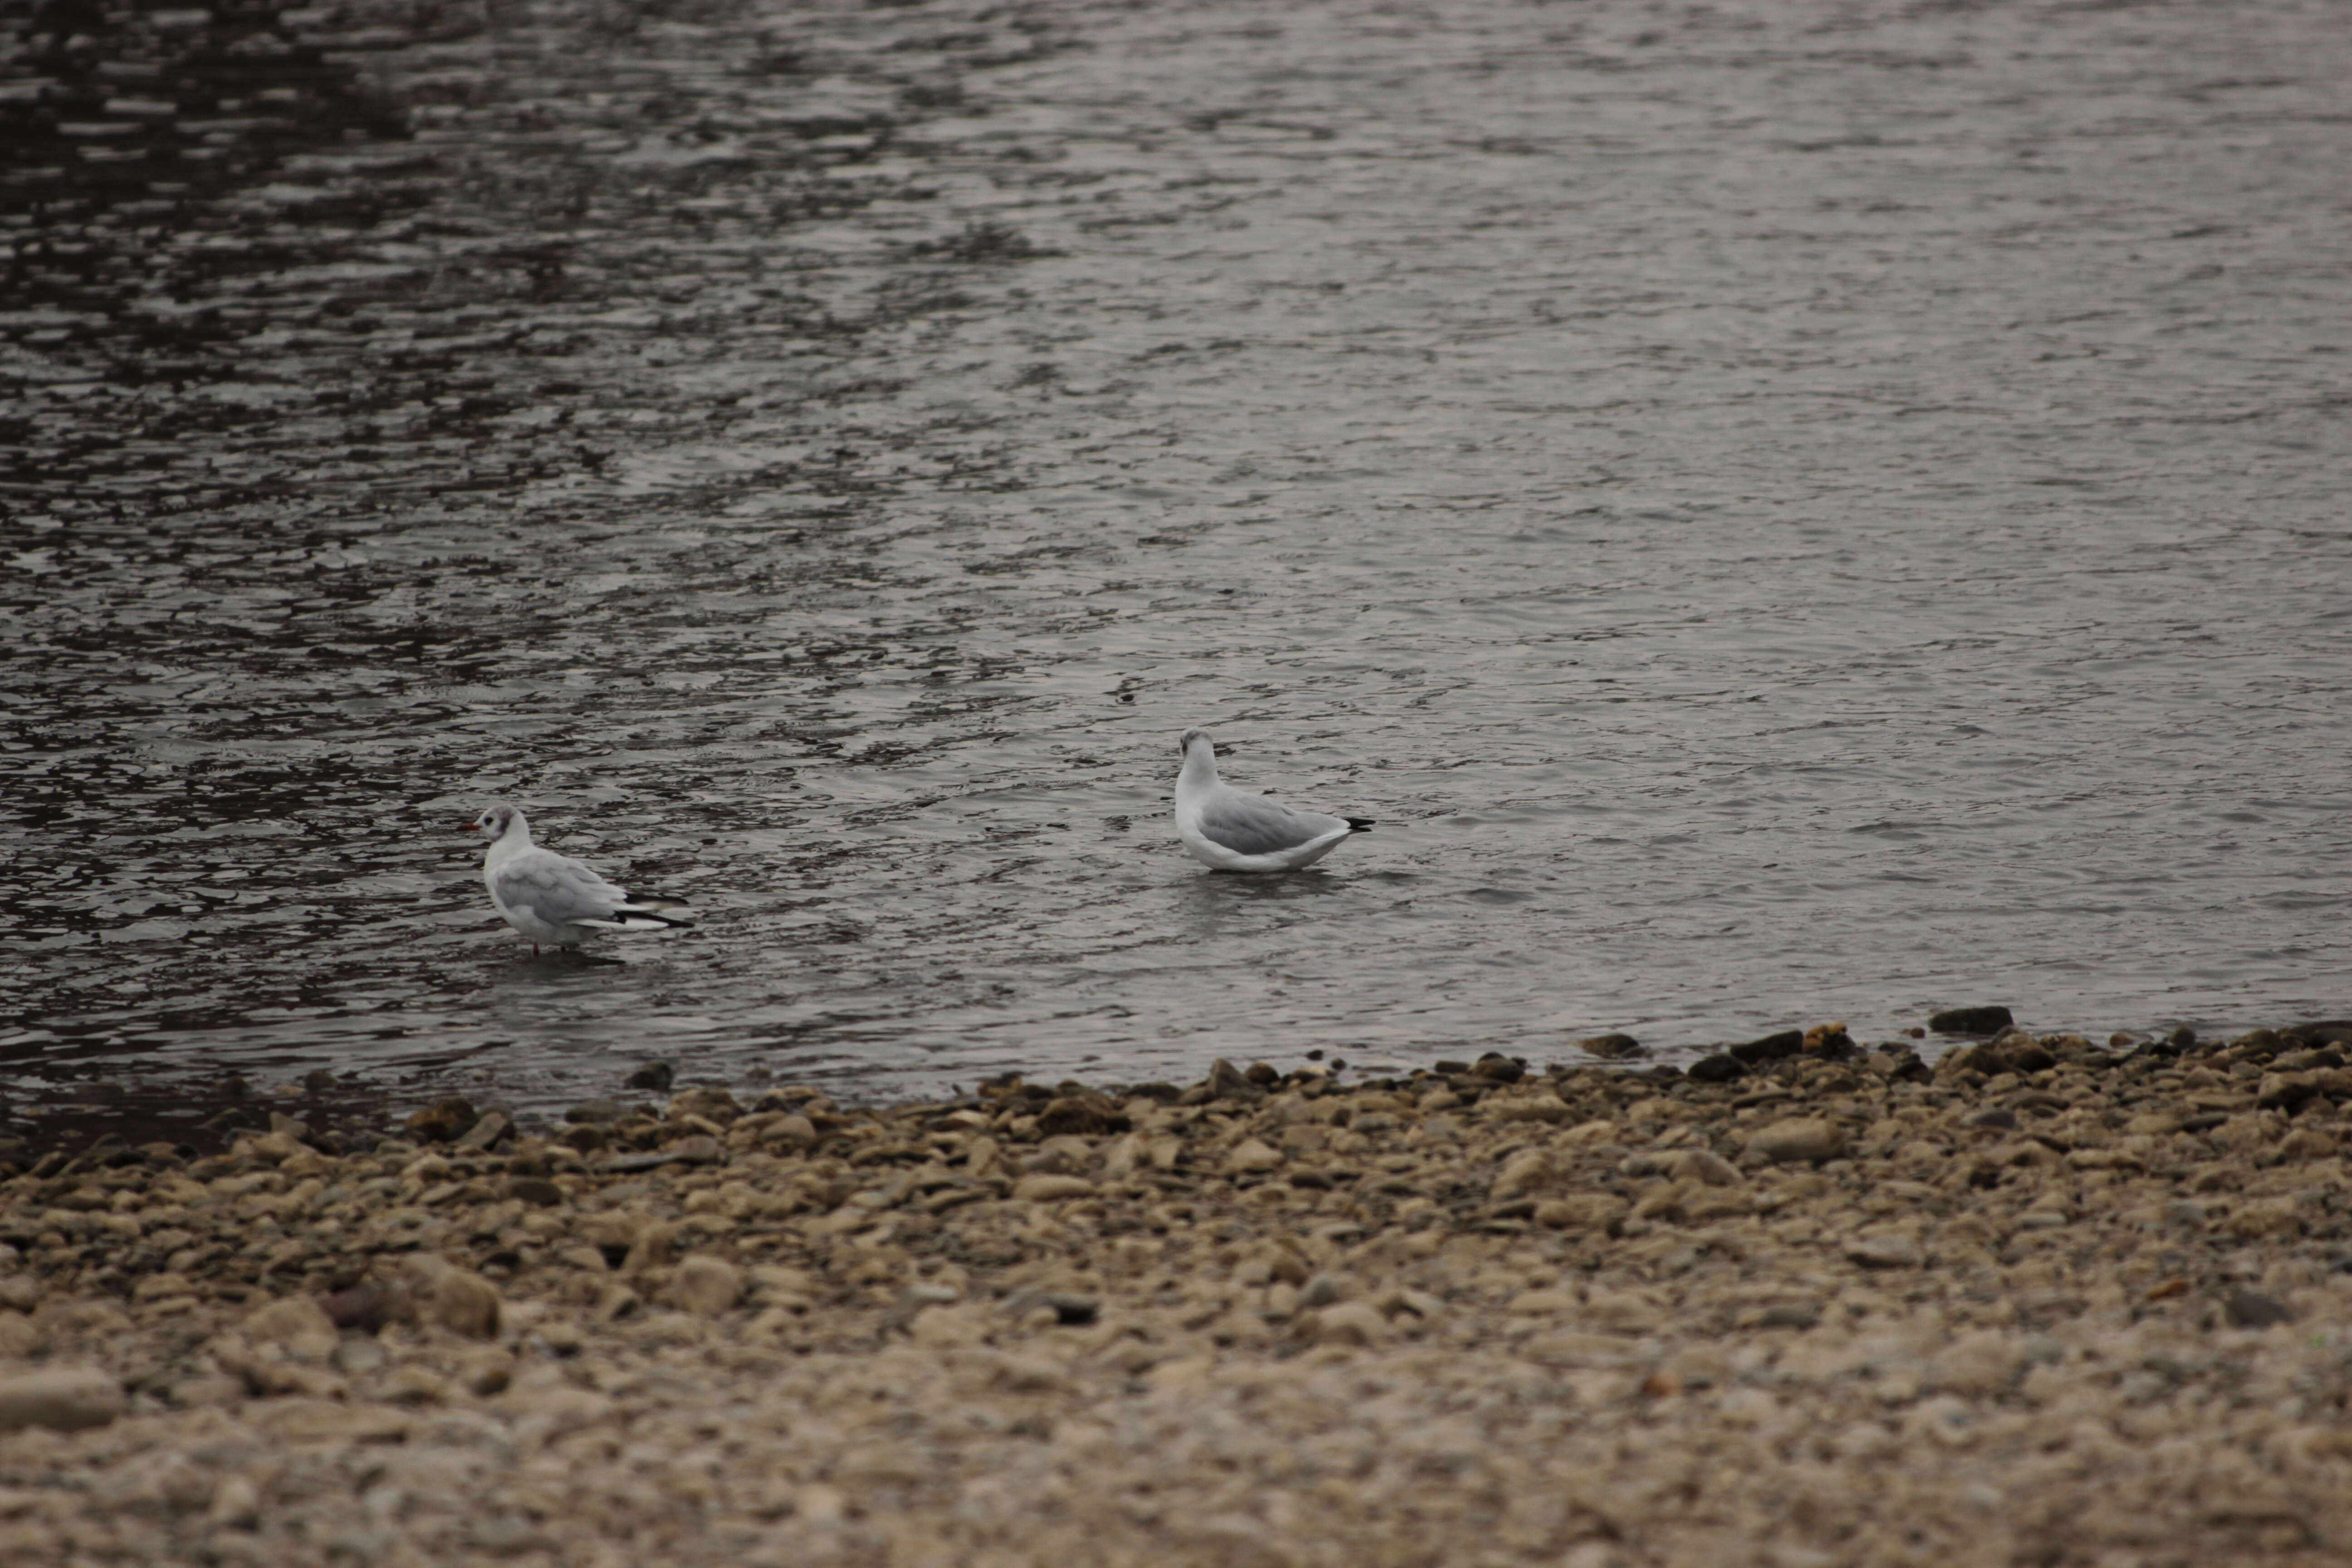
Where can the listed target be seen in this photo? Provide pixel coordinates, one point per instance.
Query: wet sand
(2047, 1301)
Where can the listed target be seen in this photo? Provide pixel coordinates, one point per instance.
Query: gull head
(494, 822)
(1185, 745)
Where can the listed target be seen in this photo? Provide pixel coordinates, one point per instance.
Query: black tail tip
(1359, 823)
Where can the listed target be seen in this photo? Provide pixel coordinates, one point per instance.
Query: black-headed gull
(1230, 830)
(553, 899)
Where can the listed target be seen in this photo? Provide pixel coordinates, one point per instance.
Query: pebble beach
(2040, 1299)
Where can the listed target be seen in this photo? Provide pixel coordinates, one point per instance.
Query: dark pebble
(1612, 1047)
(1830, 1043)
(1901, 1063)
(2252, 1310)
(1720, 1067)
(443, 1121)
(1971, 1021)
(363, 1307)
(1771, 1048)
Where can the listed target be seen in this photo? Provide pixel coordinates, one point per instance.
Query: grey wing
(558, 890)
(1252, 825)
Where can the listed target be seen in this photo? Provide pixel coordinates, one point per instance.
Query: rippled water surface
(1782, 512)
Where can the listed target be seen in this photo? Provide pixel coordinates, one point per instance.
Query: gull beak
(470, 827)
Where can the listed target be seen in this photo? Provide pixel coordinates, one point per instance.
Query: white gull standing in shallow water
(553, 899)
(1231, 830)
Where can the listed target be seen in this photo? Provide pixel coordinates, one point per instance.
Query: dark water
(1787, 513)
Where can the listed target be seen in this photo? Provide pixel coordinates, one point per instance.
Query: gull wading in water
(1228, 829)
(553, 899)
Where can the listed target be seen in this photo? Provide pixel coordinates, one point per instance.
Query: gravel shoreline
(2047, 1301)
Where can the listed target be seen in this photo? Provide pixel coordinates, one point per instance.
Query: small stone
(1053, 1189)
(1612, 1047)
(537, 1191)
(433, 1292)
(1884, 1251)
(1700, 1165)
(365, 1306)
(1496, 1068)
(297, 1323)
(1323, 1291)
(1583, 1212)
(1072, 1311)
(2247, 1308)
(792, 1131)
(1789, 1315)
(1227, 1081)
(1720, 1067)
(1804, 1138)
(1250, 1157)
(710, 1104)
(1529, 1170)
(2262, 1217)
(1898, 1063)
(493, 1126)
(1979, 1365)
(1830, 1043)
(2287, 1091)
(1083, 1114)
(1989, 1020)
(313, 1423)
(1771, 1048)
(486, 1371)
(161, 1287)
(1348, 1323)
(443, 1121)
(235, 1505)
(706, 1286)
(655, 1075)
(62, 1399)
(1541, 1106)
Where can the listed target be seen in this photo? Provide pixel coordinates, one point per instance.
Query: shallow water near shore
(1822, 514)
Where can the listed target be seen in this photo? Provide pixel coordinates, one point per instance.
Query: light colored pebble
(62, 1399)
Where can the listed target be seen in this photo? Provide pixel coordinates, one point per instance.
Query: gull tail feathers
(1357, 824)
(643, 915)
